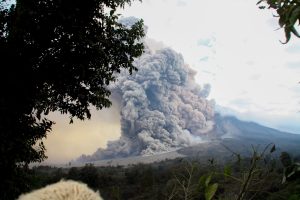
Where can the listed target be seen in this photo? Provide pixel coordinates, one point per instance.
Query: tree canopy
(288, 13)
(56, 55)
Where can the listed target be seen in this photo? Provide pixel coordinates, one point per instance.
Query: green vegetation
(288, 13)
(55, 56)
(256, 177)
(60, 56)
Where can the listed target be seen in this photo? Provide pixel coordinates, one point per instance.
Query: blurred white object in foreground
(63, 190)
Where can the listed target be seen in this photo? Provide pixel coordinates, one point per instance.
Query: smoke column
(162, 107)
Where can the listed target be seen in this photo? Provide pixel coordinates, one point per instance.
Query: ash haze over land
(252, 75)
(162, 108)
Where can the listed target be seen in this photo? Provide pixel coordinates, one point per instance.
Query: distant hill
(238, 136)
(250, 132)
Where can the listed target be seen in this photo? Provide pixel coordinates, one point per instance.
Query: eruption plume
(162, 107)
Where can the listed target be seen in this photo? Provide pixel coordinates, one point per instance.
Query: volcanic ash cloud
(162, 108)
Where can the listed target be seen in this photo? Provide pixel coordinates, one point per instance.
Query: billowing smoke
(162, 108)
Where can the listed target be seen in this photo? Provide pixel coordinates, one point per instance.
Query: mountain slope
(232, 134)
(228, 135)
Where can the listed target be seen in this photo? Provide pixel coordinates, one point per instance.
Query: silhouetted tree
(90, 176)
(56, 55)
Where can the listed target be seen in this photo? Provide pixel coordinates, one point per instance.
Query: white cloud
(233, 46)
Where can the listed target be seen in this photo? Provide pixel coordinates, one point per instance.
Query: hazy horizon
(232, 46)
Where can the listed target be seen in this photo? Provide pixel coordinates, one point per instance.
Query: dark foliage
(288, 13)
(55, 56)
(164, 180)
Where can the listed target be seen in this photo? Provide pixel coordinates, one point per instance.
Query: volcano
(233, 135)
